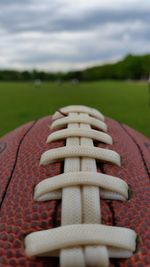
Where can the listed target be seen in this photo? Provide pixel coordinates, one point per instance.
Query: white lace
(88, 133)
(81, 240)
(81, 118)
(74, 151)
(78, 109)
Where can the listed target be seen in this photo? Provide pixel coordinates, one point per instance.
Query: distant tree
(131, 67)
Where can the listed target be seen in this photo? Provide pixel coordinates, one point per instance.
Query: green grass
(126, 102)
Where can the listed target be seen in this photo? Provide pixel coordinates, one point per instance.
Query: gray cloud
(24, 18)
(38, 34)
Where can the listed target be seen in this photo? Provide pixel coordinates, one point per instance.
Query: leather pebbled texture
(21, 215)
(8, 153)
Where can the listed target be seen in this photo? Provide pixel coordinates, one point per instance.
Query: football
(75, 192)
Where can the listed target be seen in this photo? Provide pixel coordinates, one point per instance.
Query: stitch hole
(138, 241)
(62, 113)
(130, 193)
(33, 190)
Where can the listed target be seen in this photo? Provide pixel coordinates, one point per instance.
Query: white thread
(91, 203)
(60, 123)
(73, 151)
(104, 195)
(72, 206)
(88, 133)
(80, 109)
(81, 240)
(82, 234)
(101, 180)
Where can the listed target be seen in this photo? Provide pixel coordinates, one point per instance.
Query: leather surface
(9, 145)
(21, 215)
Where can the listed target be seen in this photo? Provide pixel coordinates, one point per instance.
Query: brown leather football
(75, 192)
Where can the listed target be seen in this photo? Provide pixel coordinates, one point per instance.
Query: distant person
(38, 82)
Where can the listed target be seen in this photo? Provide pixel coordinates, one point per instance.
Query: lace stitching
(81, 239)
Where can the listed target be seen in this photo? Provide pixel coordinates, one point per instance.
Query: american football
(75, 192)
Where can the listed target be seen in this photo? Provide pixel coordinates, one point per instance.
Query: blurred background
(61, 52)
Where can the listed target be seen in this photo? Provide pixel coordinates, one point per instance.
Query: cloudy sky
(71, 34)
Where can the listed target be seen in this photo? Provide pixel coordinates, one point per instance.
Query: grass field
(126, 102)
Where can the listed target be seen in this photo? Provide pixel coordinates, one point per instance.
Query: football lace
(81, 240)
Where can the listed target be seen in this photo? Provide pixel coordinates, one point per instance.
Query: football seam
(3, 146)
(141, 153)
(15, 163)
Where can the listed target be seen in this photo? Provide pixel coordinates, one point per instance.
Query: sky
(62, 35)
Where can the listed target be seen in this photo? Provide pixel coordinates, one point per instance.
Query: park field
(126, 102)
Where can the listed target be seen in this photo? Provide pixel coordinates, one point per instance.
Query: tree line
(132, 67)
